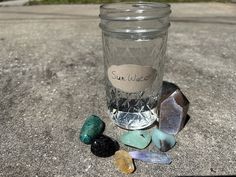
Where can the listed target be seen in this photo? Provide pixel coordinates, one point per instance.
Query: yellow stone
(124, 162)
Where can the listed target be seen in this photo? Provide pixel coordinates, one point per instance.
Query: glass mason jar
(134, 37)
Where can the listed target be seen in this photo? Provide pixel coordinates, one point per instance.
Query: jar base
(133, 120)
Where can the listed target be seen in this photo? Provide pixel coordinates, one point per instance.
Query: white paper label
(131, 78)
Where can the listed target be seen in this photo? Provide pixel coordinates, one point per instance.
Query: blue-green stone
(92, 128)
(163, 141)
(137, 138)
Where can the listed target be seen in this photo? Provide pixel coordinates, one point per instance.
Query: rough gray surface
(51, 75)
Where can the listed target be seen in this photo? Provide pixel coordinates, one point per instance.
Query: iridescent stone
(173, 113)
(92, 128)
(124, 162)
(137, 138)
(163, 141)
(151, 157)
(104, 146)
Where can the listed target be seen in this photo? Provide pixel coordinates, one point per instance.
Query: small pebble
(163, 141)
(104, 146)
(92, 128)
(137, 138)
(124, 162)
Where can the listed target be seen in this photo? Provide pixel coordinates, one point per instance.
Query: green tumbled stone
(92, 128)
(137, 138)
(163, 141)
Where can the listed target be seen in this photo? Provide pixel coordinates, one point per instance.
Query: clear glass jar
(134, 37)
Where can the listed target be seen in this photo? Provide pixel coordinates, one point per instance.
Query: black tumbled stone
(104, 146)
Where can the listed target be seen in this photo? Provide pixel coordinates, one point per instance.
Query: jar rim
(151, 5)
(129, 11)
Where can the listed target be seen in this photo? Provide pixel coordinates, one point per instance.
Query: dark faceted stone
(167, 89)
(104, 146)
(173, 113)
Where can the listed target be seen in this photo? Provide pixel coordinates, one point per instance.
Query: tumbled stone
(92, 128)
(124, 162)
(137, 138)
(151, 157)
(163, 141)
(173, 113)
(104, 146)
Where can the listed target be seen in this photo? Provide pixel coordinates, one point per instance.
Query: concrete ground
(51, 75)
